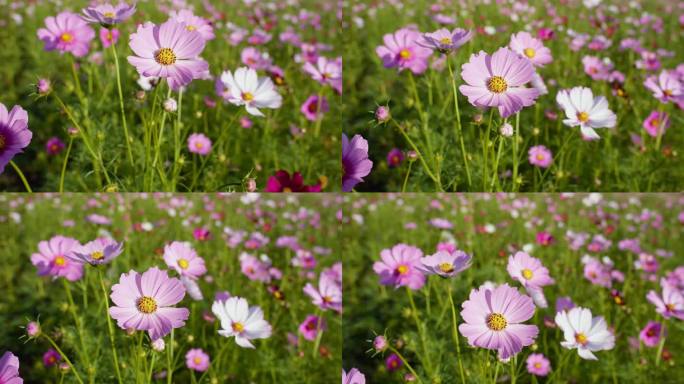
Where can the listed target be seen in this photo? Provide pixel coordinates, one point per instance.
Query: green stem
(169, 361)
(176, 138)
(408, 172)
(415, 148)
(79, 329)
(659, 354)
(121, 105)
(21, 176)
(319, 333)
(64, 164)
(454, 330)
(406, 364)
(515, 151)
(110, 328)
(458, 126)
(64, 356)
(495, 175)
(421, 333)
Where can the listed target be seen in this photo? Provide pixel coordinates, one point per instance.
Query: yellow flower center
(539, 157)
(165, 56)
(583, 117)
(446, 267)
(655, 123)
(238, 327)
(199, 145)
(197, 360)
(287, 189)
(191, 28)
(668, 92)
(405, 54)
(109, 15)
(183, 263)
(529, 52)
(66, 37)
(496, 322)
(327, 299)
(670, 307)
(527, 274)
(537, 365)
(3, 142)
(147, 305)
(497, 84)
(247, 96)
(97, 255)
(581, 338)
(60, 261)
(402, 269)
(445, 40)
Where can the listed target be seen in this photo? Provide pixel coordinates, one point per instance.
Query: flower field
(485, 288)
(167, 288)
(169, 96)
(512, 95)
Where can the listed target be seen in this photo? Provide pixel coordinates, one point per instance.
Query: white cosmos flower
(584, 332)
(581, 108)
(242, 321)
(247, 89)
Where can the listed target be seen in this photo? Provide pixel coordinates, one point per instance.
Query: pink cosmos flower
(183, 259)
(144, 302)
(9, 369)
(51, 357)
(401, 50)
(255, 59)
(197, 360)
(355, 162)
(354, 376)
(193, 23)
(327, 296)
(109, 37)
(169, 51)
(14, 133)
(528, 270)
(99, 251)
(398, 267)
(444, 41)
(538, 364)
(666, 87)
(671, 303)
(651, 334)
(585, 111)
(493, 320)
(107, 14)
(533, 49)
(326, 71)
(445, 264)
(242, 321)
(656, 123)
(54, 146)
(199, 143)
(52, 258)
(393, 362)
(67, 32)
(310, 327)
(314, 107)
(540, 156)
(498, 81)
(596, 68)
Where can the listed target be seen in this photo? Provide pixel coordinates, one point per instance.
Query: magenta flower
(327, 296)
(145, 302)
(355, 162)
(183, 259)
(671, 303)
(534, 50)
(493, 320)
(199, 143)
(395, 157)
(666, 87)
(197, 360)
(14, 133)
(193, 23)
(51, 357)
(538, 364)
(498, 81)
(54, 146)
(656, 123)
(52, 258)
(9, 369)
(651, 334)
(354, 376)
(283, 182)
(67, 32)
(99, 251)
(444, 41)
(540, 156)
(109, 37)
(314, 107)
(393, 362)
(169, 51)
(445, 264)
(107, 14)
(310, 327)
(398, 267)
(402, 50)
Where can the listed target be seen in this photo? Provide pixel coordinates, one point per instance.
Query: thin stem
(454, 330)
(515, 151)
(21, 176)
(659, 354)
(415, 148)
(64, 356)
(79, 329)
(77, 81)
(513, 364)
(458, 126)
(424, 126)
(319, 333)
(408, 366)
(121, 105)
(176, 137)
(105, 297)
(408, 172)
(64, 164)
(421, 333)
(169, 361)
(495, 174)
